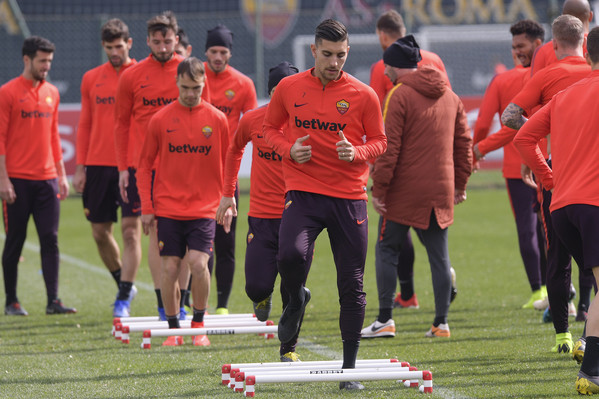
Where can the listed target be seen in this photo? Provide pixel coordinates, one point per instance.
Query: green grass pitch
(496, 349)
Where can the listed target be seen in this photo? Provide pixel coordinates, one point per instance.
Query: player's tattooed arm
(512, 117)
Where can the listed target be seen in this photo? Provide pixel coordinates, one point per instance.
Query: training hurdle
(151, 319)
(237, 376)
(125, 329)
(337, 376)
(226, 368)
(148, 334)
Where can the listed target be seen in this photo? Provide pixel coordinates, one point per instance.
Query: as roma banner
(278, 18)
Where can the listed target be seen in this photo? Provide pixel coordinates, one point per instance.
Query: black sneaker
(262, 309)
(351, 385)
(56, 307)
(15, 309)
(290, 319)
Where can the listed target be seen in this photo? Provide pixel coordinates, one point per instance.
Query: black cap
(220, 35)
(276, 73)
(404, 53)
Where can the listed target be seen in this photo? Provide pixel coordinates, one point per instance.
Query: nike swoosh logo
(144, 86)
(296, 105)
(135, 210)
(99, 84)
(170, 131)
(360, 221)
(375, 329)
(260, 136)
(22, 100)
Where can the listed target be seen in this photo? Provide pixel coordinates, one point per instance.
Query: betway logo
(104, 100)
(271, 156)
(35, 114)
(224, 109)
(158, 102)
(190, 149)
(316, 124)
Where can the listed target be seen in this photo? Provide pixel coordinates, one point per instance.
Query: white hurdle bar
(148, 334)
(237, 383)
(355, 374)
(125, 329)
(227, 368)
(146, 319)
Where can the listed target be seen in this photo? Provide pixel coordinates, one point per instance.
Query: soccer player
(389, 28)
(32, 174)
(189, 135)
(333, 129)
(267, 200)
(233, 93)
(410, 189)
(527, 35)
(143, 90)
(568, 35)
(96, 174)
(545, 55)
(183, 48)
(572, 176)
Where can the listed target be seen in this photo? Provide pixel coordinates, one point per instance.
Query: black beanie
(276, 73)
(404, 53)
(220, 35)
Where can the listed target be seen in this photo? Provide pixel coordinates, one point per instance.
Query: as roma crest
(229, 94)
(342, 106)
(207, 130)
(278, 18)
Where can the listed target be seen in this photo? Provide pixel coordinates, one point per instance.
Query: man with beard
(96, 175)
(32, 174)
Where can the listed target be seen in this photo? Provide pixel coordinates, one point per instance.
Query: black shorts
(133, 208)
(176, 236)
(101, 197)
(577, 226)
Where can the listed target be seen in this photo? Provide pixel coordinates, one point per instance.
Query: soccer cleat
(351, 385)
(378, 329)
(581, 315)
(56, 307)
(536, 296)
(222, 311)
(289, 323)
(161, 314)
(547, 317)
(199, 340)
(175, 340)
(132, 293)
(121, 309)
(182, 313)
(572, 312)
(262, 309)
(411, 303)
(290, 357)
(454, 287)
(541, 304)
(15, 309)
(563, 343)
(441, 331)
(586, 384)
(579, 348)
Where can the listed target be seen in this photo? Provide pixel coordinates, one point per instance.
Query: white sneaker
(541, 304)
(572, 311)
(377, 329)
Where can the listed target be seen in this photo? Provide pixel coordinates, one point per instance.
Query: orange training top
(574, 144)
(545, 56)
(321, 111)
(232, 92)
(142, 91)
(267, 191)
(381, 83)
(95, 132)
(497, 97)
(190, 145)
(547, 82)
(29, 129)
